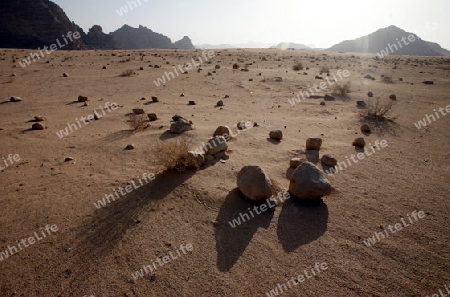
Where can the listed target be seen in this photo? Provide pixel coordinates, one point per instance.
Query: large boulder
(309, 182)
(223, 131)
(180, 125)
(313, 144)
(254, 183)
(276, 134)
(216, 145)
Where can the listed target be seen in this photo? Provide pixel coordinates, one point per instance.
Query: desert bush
(297, 67)
(171, 154)
(386, 78)
(341, 90)
(377, 110)
(127, 73)
(325, 69)
(138, 122)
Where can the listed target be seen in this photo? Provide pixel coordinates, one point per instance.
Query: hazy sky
(319, 23)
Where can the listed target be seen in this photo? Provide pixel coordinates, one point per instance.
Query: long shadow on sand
(232, 242)
(300, 223)
(109, 224)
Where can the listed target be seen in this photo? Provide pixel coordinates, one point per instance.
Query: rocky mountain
(391, 41)
(38, 23)
(140, 38)
(33, 24)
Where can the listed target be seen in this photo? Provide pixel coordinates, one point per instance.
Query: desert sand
(95, 252)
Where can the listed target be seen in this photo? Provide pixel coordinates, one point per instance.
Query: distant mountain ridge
(286, 45)
(37, 23)
(391, 41)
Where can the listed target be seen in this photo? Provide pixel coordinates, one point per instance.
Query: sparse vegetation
(127, 73)
(341, 90)
(377, 110)
(138, 122)
(297, 67)
(171, 154)
(386, 78)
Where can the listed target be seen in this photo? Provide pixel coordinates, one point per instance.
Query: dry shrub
(171, 154)
(127, 73)
(386, 78)
(341, 90)
(138, 122)
(325, 69)
(377, 110)
(297, 67)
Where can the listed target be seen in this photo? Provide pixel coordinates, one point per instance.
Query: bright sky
(319, 23)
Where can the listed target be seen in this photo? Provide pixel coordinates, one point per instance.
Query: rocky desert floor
(97, 251)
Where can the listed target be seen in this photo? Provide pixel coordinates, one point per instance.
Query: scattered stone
(180, 125)
(216, 145)
(209, 73)
(365, 128)
(15, 99)
(329, 160)
(68, 159)
(370, 94)
(182, 95)
(96, 116)
(129, 147)
(104, 67)
(141, 68)
(313, 144)
(328, 98)
(65, 75)
(152, 117)
(254, 183)
(322, 103)
(13, 75)
(82, 98)
(361, 104)
(308, 182)
(318, 77)
(39, 118)
(194, 161)
(191, 102)
(400, 79)
(223, 131)
(369, 76)
(276, 134)
(86, 104)
(428, 82)
(241, 125)
(138, 110)
(295, 162)
(250, 79)
(393, 97)
(226, 96)
(359, 142)
(155, 99)
(278, 79)
(235, 66)
(38, 126)
(220, 103)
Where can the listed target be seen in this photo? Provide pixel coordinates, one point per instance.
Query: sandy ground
(96, 251)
